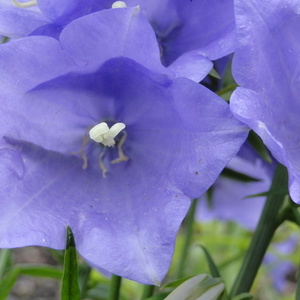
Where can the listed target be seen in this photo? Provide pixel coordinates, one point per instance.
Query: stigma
(101, 133)
(119, 4)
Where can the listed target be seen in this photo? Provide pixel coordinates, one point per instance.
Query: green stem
(148, 291)
(262, 236)
(115, 285)
(188, 237)
(298, 286)
(4, 257)
(84, 276)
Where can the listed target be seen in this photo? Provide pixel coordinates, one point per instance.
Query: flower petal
(266, 65)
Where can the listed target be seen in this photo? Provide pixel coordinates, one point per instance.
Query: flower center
(119, 4)
(24, 4)
(107, 137)
(101, 133)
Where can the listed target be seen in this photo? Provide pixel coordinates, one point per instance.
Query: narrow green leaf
(257, 143)
(212, 266)
(176, 283)
(277, 191)
(229, 173)
(213, 73)
(41, 271)
(243, 296)
(148, 291)
(70, 288)
(115, 286)
(160, 296)
(200, 287)
(188, 234)
(8, 282)
(4, 260)
(296, 216)
(84, 277)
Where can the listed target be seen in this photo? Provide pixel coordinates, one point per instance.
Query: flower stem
(4, 257)
(115, 285)
(148, 291)
(298, 286)
(268, 223)
(188, 237)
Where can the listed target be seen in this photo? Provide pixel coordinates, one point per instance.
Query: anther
(24, 4)
(119, 4)
(101, 133)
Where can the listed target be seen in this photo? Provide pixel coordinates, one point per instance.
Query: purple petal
(18, 22)
(266, 67)
(64, 11)
(132, 37)
(229, 202)
(191, 65)
(183, 26)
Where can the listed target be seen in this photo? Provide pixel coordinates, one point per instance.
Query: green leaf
(176, 283)
(160, 296)
(70, 288)
(257, 143)
(41, 271)
(4, 260)
(229, 173)
(8, 282)
(200, 287)
(243, 296)
(213, 73)
(212, 266)
(280, 191)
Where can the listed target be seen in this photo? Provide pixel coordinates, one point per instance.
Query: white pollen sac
(119, 4)
(101, 133)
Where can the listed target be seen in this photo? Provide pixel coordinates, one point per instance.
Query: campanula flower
(266, 66)
(97, 135)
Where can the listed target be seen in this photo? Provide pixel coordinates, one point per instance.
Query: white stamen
(24, 4)
(101, 133)
(97, 132)
(119, 4)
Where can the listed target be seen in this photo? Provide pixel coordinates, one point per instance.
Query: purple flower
(46, 17)
(190, 33)
(279, 266)
(229, 202)
(182, 26)
(266, 66)
(124, 202)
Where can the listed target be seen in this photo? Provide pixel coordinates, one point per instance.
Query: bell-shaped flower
(266, 66)
(126, 197)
